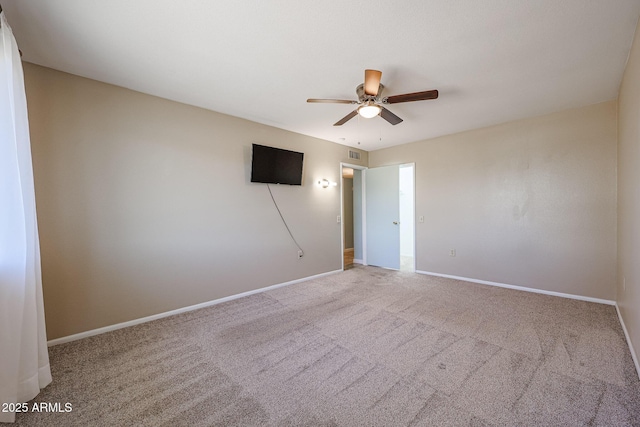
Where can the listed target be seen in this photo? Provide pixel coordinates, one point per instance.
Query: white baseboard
(110, 328)
(626, 335)
(358, 261)
(521, 288)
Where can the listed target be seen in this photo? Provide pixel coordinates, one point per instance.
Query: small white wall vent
(354, 155)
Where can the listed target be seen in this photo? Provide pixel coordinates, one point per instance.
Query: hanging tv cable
(285, 222)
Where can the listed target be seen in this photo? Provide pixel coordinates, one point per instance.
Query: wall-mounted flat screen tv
(276, 166)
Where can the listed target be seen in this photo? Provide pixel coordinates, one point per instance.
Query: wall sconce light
(324, 183)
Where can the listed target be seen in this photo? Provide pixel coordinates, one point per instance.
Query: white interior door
(382, 189)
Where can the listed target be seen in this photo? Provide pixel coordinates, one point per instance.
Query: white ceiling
(492, 61)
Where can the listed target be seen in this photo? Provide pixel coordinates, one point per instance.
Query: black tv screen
(276, 166)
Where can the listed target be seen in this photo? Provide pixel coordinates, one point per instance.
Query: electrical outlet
(339, 219)
(300, 254)
(452, 252)
(421, 218)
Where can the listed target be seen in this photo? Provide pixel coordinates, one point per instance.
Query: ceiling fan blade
(415, 96)
(332, 101)
(346, 118)
(372, 81)
(389, 116)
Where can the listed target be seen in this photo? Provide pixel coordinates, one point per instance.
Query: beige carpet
(363, 347)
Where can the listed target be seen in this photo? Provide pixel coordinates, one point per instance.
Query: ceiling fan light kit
(369, 110)
(370, 101)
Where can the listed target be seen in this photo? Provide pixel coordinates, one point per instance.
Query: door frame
(363, 213)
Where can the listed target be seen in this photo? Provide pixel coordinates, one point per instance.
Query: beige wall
(628, 286)
(529, 203)
(145, 205)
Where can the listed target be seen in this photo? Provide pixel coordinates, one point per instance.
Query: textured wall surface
(628, 286)
(529, 203)
(145, 204)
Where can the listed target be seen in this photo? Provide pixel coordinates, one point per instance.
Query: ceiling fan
(371, 102)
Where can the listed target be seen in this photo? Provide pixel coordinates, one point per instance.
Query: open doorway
(389, 201)
(347, 216)
(378, 216)
(407, 218)
(352, 215)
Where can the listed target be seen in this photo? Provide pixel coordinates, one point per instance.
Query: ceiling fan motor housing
(363, 97)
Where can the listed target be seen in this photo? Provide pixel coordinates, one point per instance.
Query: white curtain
(24, 361)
